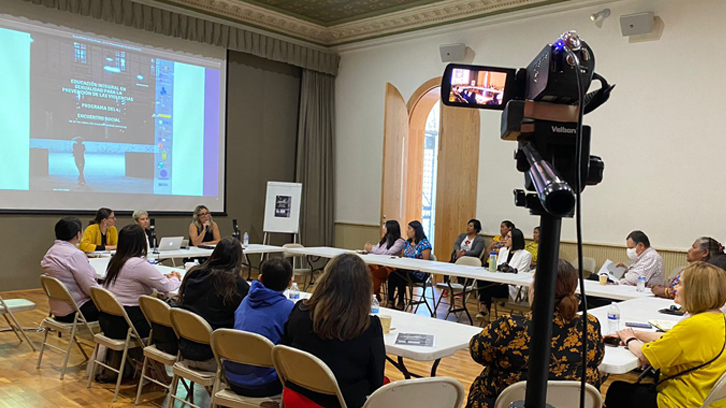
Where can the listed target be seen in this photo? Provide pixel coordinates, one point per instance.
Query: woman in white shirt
(514, 255)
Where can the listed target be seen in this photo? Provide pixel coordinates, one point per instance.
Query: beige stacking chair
(192, 327)
(589, 266)
(159, 313)
(718, 392)
(306, 370)
(457, 289)
(433, 392)
(560, 394)
(58, 291)
(298, 266)
(107, 303)
(244, 348)
(8, 308)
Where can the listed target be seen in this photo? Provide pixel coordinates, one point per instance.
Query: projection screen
(87, 121)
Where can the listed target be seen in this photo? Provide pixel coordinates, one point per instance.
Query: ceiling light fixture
(600, 15)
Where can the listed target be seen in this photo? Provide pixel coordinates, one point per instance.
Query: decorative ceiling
(336, 22)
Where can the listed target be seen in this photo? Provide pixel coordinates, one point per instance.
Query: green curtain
(145, 17)
(315, 158)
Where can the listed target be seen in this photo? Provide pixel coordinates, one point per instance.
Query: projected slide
(88, 122)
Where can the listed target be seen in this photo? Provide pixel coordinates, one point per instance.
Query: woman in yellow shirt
(101, 235)
(690, 357)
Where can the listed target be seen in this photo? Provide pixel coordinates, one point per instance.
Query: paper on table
(415, 339)
(613, 272)
(664, 325)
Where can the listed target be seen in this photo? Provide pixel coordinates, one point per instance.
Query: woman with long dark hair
(512, 254)
(101, 234)
(130, 276)
(213, 290)
(390, 244)
(335, 325)
(417, 246)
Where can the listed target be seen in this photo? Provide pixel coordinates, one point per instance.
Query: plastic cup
(603, 279)
(386, 323)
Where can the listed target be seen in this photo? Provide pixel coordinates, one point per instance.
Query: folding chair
(298, 268)
(560, 394)
(307, 371)
(192, 327)
(107, 303)
(432, 392)
(718, 392)
(241, 347)
(58, 291)
(159, 313)
(457, 289)
(7, 310)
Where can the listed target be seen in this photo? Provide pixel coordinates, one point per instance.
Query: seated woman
(390, 244)
(533, 247)
(512, 254)
(336, 326)
(141, 218)
(503, 346)
(203, 231)
(498, 241)
(129, 276)
(703, 249)
(469, 243)
(213, 290)
(101, 235)
(690, 356)
(417, 246)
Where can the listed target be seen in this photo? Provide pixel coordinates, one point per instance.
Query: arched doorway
(454, 190)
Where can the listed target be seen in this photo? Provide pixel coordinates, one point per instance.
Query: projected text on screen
(90, 121)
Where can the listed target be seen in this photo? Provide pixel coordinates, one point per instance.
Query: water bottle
(294, 292)
(493, 261)
(641, 284)
(246, 240)
(375, 307)
(613, 318)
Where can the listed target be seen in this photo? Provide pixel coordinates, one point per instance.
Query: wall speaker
(636, 24)
(452, 52)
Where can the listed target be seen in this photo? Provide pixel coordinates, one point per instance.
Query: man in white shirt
(646, 262)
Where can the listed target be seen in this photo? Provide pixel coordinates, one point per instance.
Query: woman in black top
(213, 290)
(335, 325)
(203, 230)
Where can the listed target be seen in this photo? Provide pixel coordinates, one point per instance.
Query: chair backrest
(305, 370)
(155, 311)
(675, 271)
(106, 302)
(242, 347)
(588, 264)
(190, 326)
(560, 394)
(718, 392)
(290, 255)
(57, 290)
(433, 392)
(469, 261)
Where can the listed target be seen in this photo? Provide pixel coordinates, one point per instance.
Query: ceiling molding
(416, 18)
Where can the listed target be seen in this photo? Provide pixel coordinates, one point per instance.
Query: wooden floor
(22, 385)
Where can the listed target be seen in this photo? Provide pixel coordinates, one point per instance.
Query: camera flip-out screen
(477, 87)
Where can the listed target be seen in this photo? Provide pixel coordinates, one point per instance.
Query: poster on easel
(282, 207)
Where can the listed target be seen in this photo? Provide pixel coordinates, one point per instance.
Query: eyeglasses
(203, 214)
(112, 218)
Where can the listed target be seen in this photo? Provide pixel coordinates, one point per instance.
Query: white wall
(659, 134)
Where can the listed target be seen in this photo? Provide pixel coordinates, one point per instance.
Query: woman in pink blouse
(390, 244)
(130, 276)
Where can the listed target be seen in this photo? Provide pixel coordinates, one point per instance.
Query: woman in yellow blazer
(101, 235)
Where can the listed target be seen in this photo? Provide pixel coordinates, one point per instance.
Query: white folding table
(619, 360)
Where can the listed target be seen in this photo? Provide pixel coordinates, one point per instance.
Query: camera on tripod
(541, 112)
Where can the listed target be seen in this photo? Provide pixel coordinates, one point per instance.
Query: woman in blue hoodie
(264, 311)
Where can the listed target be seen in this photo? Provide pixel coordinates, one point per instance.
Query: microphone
(152, 235)
(235, 229)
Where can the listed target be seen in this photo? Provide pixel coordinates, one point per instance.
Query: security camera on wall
(452, 52)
